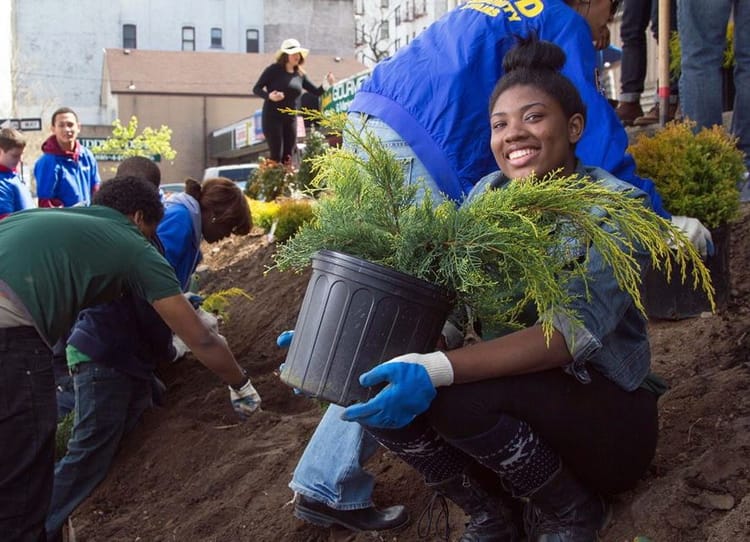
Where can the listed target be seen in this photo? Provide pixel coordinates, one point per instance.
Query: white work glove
(245, 400)
(697, 233)
(210, 320)
(180, 348)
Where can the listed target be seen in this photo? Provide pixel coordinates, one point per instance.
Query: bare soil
(192, 472)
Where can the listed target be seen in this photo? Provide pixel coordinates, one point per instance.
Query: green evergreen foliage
(696, 174)
(315, 145)
(503, 251)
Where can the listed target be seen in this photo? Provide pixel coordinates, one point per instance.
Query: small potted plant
(696, 175)
(498, 255)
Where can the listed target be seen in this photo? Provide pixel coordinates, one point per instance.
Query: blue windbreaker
(435, 91)
(180, 233)
(71, 178)
(14, 193)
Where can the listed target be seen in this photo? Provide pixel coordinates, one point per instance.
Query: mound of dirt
(192, 472)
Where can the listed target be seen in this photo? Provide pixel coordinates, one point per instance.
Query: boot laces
(433, 517)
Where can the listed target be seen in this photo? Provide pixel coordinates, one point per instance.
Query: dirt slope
(191, 472)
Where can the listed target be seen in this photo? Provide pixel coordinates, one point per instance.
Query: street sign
(340, 95)
(27, 125)
(93, 144)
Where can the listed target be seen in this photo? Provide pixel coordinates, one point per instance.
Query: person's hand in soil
(245, 400)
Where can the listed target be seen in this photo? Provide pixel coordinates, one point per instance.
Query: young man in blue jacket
(67, 174)
(429, 105)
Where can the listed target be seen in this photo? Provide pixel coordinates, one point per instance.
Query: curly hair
(128, 195)
(224, 200)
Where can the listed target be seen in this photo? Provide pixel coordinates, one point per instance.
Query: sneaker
(628, 112)
(652, 116)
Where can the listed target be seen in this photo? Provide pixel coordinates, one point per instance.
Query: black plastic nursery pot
(673, 300)
(355, 315)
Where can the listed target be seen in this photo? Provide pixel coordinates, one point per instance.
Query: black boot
(490, 520)
(361, 519)
(563, 510)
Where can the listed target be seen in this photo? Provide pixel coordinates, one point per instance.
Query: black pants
(636, 16)
(280, 132)
(605, 435)
(27, 434)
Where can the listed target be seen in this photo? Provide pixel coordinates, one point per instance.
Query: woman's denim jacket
(613, 338)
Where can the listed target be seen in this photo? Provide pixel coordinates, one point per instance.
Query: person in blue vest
(428, 105)
(66, 174)
(211, 210)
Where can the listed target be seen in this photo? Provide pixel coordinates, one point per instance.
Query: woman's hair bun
(531, 53)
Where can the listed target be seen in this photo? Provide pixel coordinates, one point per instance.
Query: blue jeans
(702, 26)
(27, 433)
(330, 469)
(108, 403)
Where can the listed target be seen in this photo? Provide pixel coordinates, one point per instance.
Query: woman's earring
(213, 219)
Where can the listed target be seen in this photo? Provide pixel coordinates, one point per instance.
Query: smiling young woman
(560, 422)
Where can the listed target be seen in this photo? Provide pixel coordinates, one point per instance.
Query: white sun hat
(291, 46)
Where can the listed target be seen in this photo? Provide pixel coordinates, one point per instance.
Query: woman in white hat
(281, 85)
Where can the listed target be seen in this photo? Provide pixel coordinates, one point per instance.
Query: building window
(385, 31)
(396, 44)
(383, 3)
(397, 14)
(252, 41)
(359, 34)
(188, 38)
(359, 7)
(216, 38)
(128, 36)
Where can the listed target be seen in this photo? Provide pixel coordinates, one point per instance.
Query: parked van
(239, 173)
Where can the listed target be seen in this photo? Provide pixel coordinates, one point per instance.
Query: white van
(239, 173)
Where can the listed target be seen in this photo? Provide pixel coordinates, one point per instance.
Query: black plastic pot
(355, 315)
(672, 300)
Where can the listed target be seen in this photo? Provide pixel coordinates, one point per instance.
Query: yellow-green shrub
(263, 212)
(696, 174)
(218, 302)
(290, 216)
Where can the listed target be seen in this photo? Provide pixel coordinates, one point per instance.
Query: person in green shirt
(54, 263)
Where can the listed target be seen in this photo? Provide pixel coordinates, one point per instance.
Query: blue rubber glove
(285, 339)
(412, 379)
